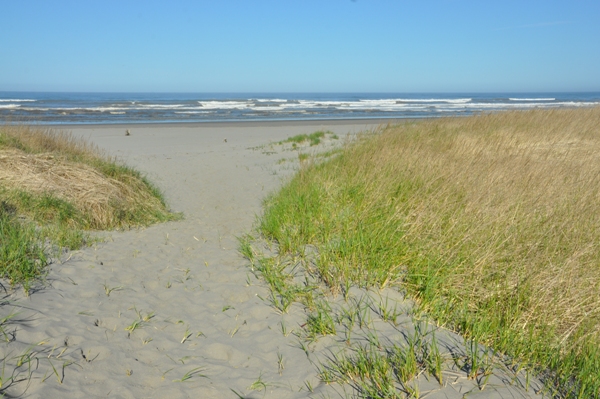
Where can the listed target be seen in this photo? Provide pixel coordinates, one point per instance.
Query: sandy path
(129, 318)
(188, 275)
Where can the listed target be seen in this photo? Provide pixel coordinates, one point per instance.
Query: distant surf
(109, 108)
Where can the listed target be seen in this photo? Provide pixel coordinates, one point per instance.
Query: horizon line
(299, 92)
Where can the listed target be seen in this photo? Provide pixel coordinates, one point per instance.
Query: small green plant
(108, 290)
(59, 378)
(433, 359)
(259, 384)
(405, 362)
(140, 322)
(148, 316)
(305, 348)
(134, 326)
(196, 372)
(320, 322)
(363, 313)
(347, 316)
(478, 362)
(186, 335)
(367, 370)
(283, 293)
(245, 247)
(373, 339)
(386, 312)
(284, 329)
(313, 138)
(309, 386)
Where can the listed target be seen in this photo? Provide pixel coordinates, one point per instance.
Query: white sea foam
(318, 104)
(273, 100)
(97, 109)
(159, 106)
(194, 112)
(117, 112)
(271, 109)
(387, 105)
(383, 104)
(499, 106)
(102, 109)
(435, 100)
(374, 103)
(532, 99)
(15, 101)
(9, 106)
(225, 104)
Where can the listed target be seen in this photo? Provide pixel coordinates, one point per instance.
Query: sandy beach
(173, 310)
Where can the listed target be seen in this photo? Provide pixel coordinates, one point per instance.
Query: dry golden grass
(46, 140)
(44, 162)
(90, 191)
(517, 194)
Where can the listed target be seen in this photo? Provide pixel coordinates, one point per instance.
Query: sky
(401, 46)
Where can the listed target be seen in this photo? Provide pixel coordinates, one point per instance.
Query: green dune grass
(491, 223)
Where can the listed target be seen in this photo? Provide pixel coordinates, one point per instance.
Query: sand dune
(172, 311)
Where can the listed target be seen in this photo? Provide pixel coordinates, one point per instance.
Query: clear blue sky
(300, 45)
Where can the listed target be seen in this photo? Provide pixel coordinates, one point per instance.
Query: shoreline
(227, 124)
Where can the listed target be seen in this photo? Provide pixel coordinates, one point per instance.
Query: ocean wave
(297, 107)
(104, 109)
(453, 107)
(268, 109)
(225, 104)
(434, 100)
(273, 100)
(532, 99)
(88, 109)
(374, 103)
(159, 106)
(500, 106)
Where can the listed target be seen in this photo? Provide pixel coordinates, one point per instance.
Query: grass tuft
(312, 138)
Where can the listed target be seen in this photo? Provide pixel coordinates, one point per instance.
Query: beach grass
(54, 188)
(312, 139)
(491, 223)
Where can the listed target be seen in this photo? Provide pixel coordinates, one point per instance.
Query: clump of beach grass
(491, 223)
(55, 186)
(312, 138)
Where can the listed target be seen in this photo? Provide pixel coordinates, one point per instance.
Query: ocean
(112, 108)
